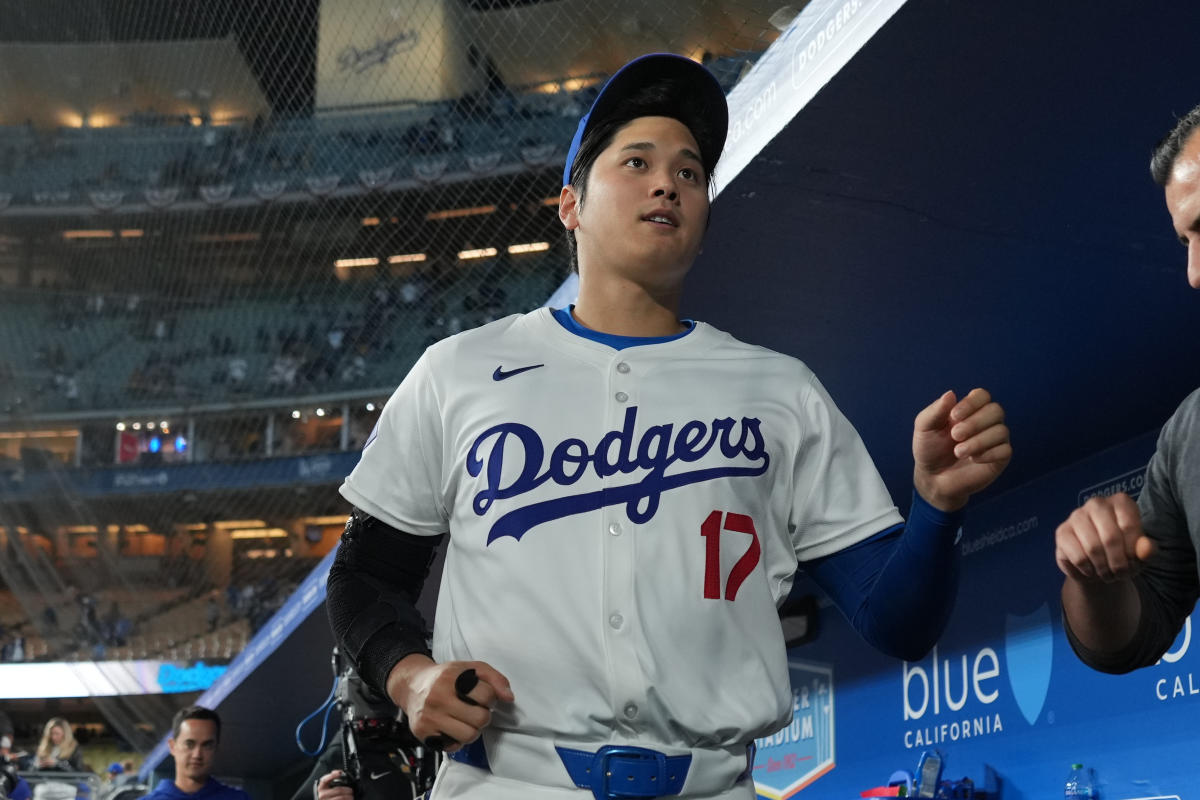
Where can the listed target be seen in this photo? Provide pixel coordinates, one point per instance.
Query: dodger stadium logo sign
(803, 751)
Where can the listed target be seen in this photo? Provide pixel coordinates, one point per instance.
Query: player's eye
(689, 174)
(636, 161)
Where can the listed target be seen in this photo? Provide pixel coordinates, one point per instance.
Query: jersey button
(631, 710)
(621, 397)
(616, 620)
(622, 368)
(615, 529)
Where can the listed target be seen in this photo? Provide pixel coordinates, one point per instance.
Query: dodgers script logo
(659, 448)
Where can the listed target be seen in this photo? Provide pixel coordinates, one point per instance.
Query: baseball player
(626, 495)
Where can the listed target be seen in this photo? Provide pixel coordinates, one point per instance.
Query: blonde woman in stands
(58, 749)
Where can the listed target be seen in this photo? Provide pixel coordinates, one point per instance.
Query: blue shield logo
(1029, 656)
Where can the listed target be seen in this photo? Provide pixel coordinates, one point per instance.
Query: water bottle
(1081, 784)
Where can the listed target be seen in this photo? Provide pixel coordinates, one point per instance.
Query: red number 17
(711, 531)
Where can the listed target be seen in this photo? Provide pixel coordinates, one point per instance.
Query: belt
(620, 771)
(613, 772)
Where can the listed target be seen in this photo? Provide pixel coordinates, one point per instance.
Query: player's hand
(435, 707)
(326, 792)
(1102, 541)
(959, 448)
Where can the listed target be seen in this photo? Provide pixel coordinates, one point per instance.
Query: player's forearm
(1103, 617)
(371, 631)
(897, 589)
(913, 597)
(373, 583)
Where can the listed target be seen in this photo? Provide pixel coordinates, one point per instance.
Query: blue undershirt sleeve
(897, 588)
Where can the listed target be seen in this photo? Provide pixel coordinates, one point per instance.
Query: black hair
(663, 98)
(1167, 151)
(194, 712)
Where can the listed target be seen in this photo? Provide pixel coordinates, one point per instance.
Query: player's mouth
(662, 217)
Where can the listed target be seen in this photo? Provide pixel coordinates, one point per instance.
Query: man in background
(195, 732)
(1131, 573)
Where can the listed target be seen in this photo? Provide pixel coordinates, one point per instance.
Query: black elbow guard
(373, 587)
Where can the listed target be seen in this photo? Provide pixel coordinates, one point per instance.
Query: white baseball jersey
(622, 524)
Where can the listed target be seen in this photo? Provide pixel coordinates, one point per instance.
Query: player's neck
(626, 309)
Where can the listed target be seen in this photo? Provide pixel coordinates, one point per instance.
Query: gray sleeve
(1168, 584)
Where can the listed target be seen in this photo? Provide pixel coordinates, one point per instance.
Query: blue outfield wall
(1002, 687)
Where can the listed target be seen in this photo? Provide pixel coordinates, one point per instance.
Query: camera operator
(375, 756)
(12, 785)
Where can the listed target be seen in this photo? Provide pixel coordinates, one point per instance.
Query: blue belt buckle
(602, 774)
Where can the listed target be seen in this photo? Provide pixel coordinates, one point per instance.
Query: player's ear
(568, 207)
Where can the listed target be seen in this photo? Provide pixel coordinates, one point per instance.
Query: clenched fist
(1102, 540)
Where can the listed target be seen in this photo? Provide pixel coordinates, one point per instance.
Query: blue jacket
(21, 791)
(212, 790)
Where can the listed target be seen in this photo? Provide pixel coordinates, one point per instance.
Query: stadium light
(88, 234)
(132, 233)
(370, 406)
(333, 519)
(295, 413)
(482, 252)
(234, 524)
(120, 426)
(408, 258)
(151, 425)
(47, 434)
(456, 213)
(258, 533)
(320, 412)
(137, 426)
(356, 262)
(369, 222)
(530, 247)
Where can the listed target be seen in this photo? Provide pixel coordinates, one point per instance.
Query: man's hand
(426, 691)
(323, 790)
(959, 448)
(1102, 541)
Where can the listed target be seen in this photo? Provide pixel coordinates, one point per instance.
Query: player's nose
(667, 190)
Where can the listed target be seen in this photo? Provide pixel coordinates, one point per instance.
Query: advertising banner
(1002, 689)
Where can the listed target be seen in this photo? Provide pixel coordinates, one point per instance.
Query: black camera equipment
(382, 757)
(8, 778)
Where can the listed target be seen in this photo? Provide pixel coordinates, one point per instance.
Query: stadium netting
(227, 230)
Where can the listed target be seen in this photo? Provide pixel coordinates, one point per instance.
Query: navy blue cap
(702, 95)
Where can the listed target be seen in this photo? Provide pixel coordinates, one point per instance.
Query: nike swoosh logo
(500, 374)
(377, 775)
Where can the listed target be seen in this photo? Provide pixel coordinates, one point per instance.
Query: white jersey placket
(620, 553)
